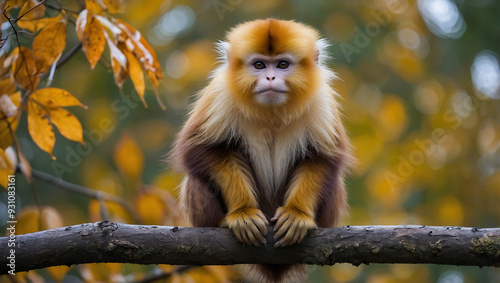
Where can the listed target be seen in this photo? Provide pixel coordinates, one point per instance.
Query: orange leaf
(93, 40)
(151, 208)
(40, 128)
(136, 75)
(2, 61)
(31, 219)
(143, 51)
(81, 23)
(119, 73)
(48, 45)
(94, 6)
(12, 122)
(114, 6)
(67, 124)
(55, 97)
(36, 13)
(58, 272)
(24, 69)
(6, 168)
(38, 24)
(7, 85)
(128, 157)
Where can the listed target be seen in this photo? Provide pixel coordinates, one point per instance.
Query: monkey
(264, 142)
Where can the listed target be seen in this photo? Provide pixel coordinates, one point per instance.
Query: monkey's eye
(283, 64)
(259, 65)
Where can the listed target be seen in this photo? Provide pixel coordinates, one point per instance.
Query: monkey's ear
(321, 55)
(222, 48)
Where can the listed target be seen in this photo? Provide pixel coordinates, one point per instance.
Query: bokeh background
(420, 83)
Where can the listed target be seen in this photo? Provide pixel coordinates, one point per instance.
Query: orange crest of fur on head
(273, 37)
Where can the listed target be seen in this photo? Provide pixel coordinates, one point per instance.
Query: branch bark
(140, 244)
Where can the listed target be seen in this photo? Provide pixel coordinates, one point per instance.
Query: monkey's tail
(276, 273)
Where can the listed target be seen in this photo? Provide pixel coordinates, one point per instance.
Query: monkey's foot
(291, 226)
(249, 225)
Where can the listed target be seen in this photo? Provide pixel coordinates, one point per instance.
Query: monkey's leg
(244, 217)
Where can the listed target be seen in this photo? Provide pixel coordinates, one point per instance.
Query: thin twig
(85, 191)
(32, 8)
(69, 54)
(64, 58)
(50, 6)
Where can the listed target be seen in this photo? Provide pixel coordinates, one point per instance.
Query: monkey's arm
(223, 166)
(244, 217)
(315, 197)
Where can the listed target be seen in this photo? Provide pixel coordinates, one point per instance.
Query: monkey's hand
(249, 225)
(291, 226)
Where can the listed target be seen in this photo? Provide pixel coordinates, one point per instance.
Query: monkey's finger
(255, 234)
(276, 216)
(281, 221)
(262, 230)
(263, 218)
(283, 229)
(251, 236)
(240, 235)
(300, 233)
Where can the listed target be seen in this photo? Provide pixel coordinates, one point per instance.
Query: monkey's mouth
(271, 90)
(271, 95)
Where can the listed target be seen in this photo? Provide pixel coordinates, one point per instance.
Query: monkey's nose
(271, 79)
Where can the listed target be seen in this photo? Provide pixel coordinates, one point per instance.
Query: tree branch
(84, 191)
(139, 244)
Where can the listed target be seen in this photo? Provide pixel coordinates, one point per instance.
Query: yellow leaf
(38, 24)
(151, 208)
(114, 6)
(7, 85)
(101, 272)
(93, 40)
(2, 61)
(55, 97)
(128, 157)
(48, 45)
(81, 23)
(119, 73)
(143, 51)
(24, 69)
(8, 126)
(31, 219)
(67, 124)
(6, 168)
(36, 13)
(39, 127)
(58, 272)
(136, 75)
(116, 212)
(28, 220)
(94, 6)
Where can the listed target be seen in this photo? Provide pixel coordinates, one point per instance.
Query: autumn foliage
(24, 68)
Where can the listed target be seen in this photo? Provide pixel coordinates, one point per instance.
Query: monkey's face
(271, 75)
